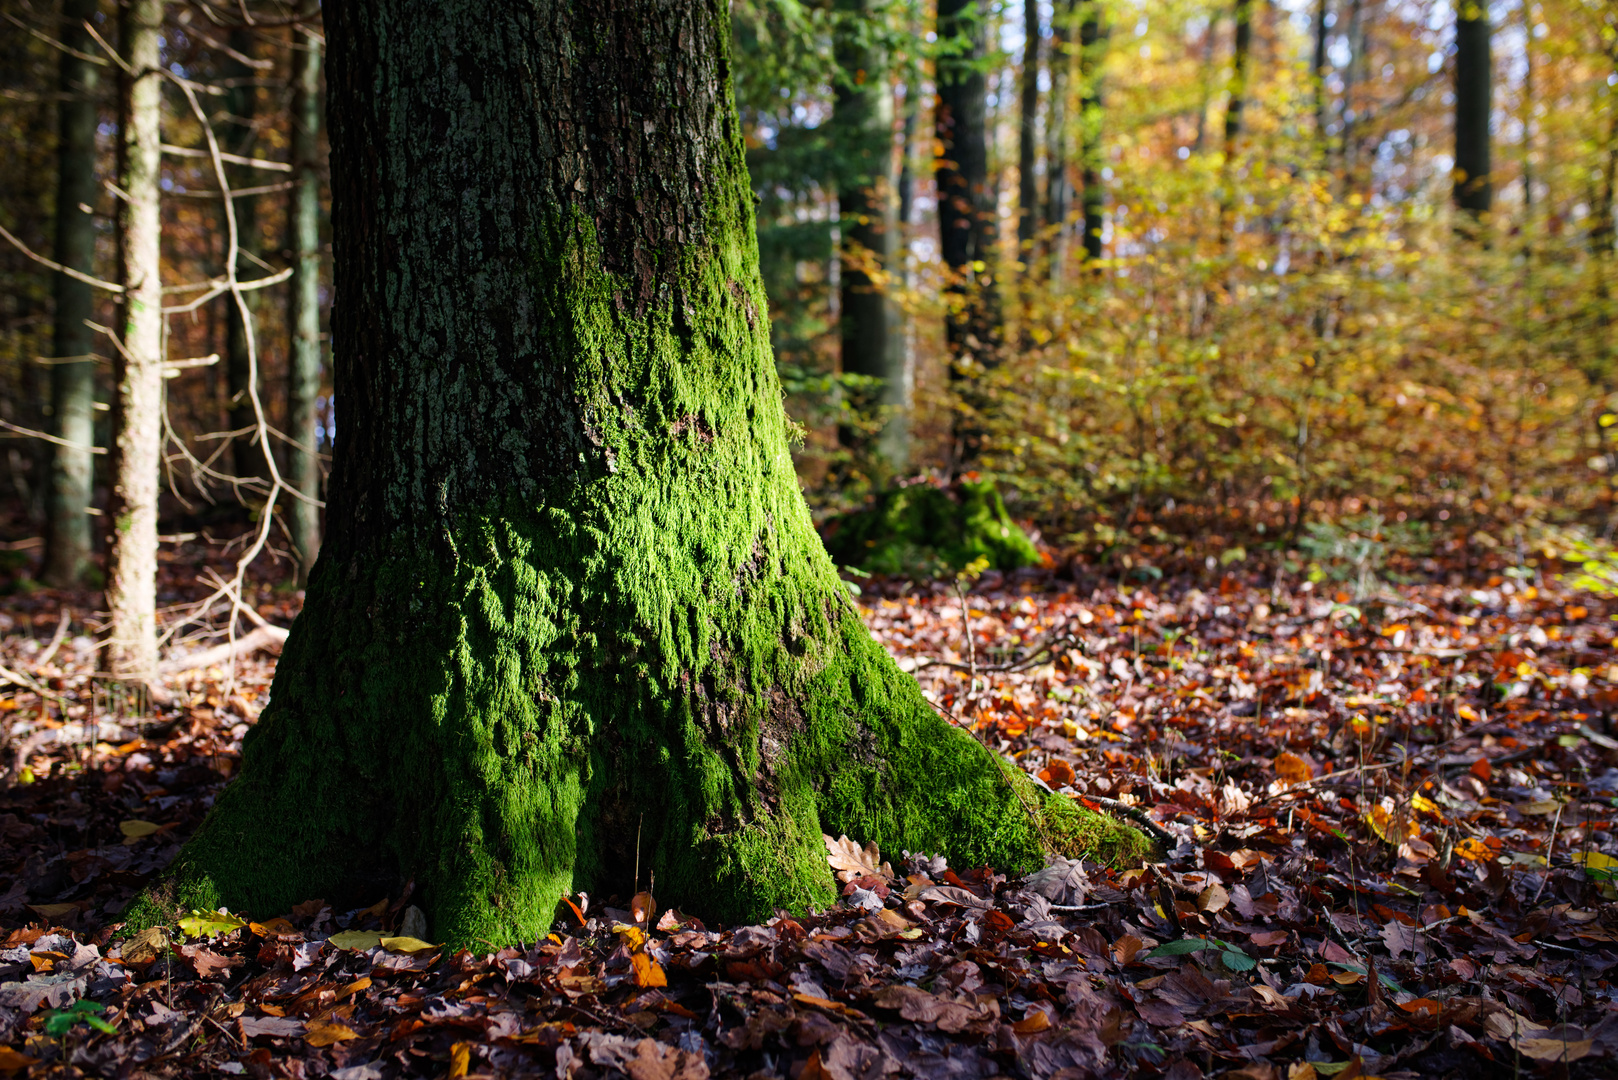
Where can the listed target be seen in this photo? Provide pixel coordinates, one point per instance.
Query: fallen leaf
(209, 924)
(11, 1060)
(460, 1060)
(850, 861)
(358, 940)
(648, 972)
(134, 828)
(1291, 769)
(1554, 1049)
(327, 1034)
(408, 946)
(1213, 899)
(1036, 1021)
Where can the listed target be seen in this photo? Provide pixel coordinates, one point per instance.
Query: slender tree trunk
(1092, 42)
(1028, 139)
(1240, 61)
(1058, 188)
(1320, 69)
(72, 479)
(872, 335)
(138, 363)
(967, 225)
(1474, 77)
(247, 455)
(303, 369)
(570, 613)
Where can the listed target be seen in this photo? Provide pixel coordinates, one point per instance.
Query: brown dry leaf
(919, 1005)
(146, 945)
(1301, 1070)
(1554, 1049)
(1125, 949)
(850, 861)
(642, 908)
(1213, 899)
(11, 1060)
(656, 1061)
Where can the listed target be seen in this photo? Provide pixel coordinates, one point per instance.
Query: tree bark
(871, 325)
(570, 611)
(1092, 42)
(1028, 138)
(138, 360)
(1474, 76)
(1320, 69)
(303, 370)
(72, 479)
(247, 454)
(968, 230)
(1241, 52)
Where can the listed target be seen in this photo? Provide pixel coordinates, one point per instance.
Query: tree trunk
(138, 363)
(72, 479)
(247, 455)
(871, 330)
(1092, 42)
(967, 226)
(1474, 73)
(1241, 51)
(1058, 189)
(303, 369)
(570, 613)
(1028, 139)
(1320, 69)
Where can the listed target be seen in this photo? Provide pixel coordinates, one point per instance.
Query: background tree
(72, 481)
(1092, 46)
(138, 359)
(967, 225)
(303, 229)
(240, 137)
(1474, 98)
(569, 577)
(872, 324)
(1028, 218)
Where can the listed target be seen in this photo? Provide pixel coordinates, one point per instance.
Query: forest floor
(1389, 822)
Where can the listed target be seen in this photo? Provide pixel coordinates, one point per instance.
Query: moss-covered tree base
(571, 616)
(922, 529)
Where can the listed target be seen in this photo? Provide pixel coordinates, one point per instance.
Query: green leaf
(59, 1024)
(1236, 960)
(210, 923)
(1181, 948)
(100, 1025)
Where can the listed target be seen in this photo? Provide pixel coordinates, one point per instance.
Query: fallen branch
(263, 637)
(1163, 836)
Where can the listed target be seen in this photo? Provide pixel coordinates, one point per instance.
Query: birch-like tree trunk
(303, 227)
(72, 480)
(571, 614)
(138, 358)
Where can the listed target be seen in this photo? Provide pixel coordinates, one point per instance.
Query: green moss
(925, 529)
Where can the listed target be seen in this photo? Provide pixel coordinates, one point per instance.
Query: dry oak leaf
(656, 1061)
(1291, 769)
(1554, 1049)
(851, 861)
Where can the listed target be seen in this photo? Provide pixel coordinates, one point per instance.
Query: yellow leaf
(1597, 867)
(408, 945)
(1213, 899)
(1389, 827)
(358, 940)
(1424, 805)
(135, 830)
(207, 924)
(1467, 713)
(633, 937)
(1553, 1049)
(361, 983)
(460, 1060)
(1538, 806)
(1473, 849)
(326, 1034)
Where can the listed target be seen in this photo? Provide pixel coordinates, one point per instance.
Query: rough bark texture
(570, 610)
(72, 479)
(1028, 136)
(303, 227)
(1474, 74)
(138, 363)
(966, 221)
(247, 455)
(872, 328)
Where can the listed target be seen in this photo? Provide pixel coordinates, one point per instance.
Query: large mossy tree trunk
(570, 612)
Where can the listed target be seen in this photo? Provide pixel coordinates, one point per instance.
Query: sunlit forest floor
(1388, 823)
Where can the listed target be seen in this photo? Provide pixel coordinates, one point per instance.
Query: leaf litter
(1391, 854)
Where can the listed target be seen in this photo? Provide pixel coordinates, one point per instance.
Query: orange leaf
(1057, 773)
(1036, 1021)
(460, 1060)
(643, 907)
(648, 972)
(1481, 770)
(1473, 849)
(327, 1034)
(577, 914)
(11, 1060)
(1292, 769)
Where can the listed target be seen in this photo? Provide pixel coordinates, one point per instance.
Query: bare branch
(76, 275)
